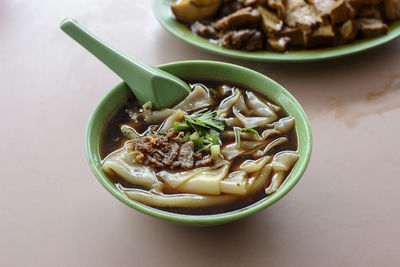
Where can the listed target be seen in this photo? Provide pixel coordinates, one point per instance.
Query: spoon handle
(136, 74)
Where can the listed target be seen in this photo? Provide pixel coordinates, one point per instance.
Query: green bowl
(215, 71)
(163, 13)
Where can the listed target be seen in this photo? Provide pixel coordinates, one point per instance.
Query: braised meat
(229, 8)
(203, 30)
(392, 9)
(360, 3)
(283, 25)
(243, 39)
(242, 17)
(186, 157)
(249, 2)
(373, 12)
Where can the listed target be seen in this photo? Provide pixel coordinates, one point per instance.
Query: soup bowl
(204, 70)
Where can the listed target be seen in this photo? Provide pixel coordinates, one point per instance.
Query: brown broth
(112, 139)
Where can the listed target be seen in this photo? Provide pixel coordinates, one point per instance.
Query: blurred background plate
(165, 16)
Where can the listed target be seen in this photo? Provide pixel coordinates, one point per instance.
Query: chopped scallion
(238, 131)
(181, 126)
(198, 142)
(194, 136)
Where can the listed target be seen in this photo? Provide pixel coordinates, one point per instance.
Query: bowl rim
(94, 160)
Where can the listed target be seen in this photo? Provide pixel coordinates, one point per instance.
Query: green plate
(164, 15)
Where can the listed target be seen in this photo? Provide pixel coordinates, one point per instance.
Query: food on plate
(282, 25)
(191, 10)
(220, 149)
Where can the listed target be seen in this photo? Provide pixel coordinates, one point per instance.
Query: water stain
(393, 84)
(351, 110)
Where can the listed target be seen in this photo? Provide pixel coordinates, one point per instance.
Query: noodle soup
(224, 147)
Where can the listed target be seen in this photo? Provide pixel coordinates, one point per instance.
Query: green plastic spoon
(147, 83)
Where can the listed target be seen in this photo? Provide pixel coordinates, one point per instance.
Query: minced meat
(166, 151)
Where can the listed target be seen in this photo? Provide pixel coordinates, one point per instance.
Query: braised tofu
(293, 4)
(305, 18)
(348, 31)
(270, 22)
(323, 35)
(191, 10)
(279, 43)
(341, 12)
(279, 6)
(296, 35)
(371, 27)
(337, 11)
(324, 7)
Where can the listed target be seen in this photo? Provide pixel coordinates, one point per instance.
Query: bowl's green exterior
(216, 71)
(163, 13)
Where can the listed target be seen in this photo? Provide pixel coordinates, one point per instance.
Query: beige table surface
(53, 212)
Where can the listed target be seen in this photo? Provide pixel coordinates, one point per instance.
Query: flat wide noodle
(156, 116)
(206, 182)
(254, 105)
(259, 108)
(237, 183)
(175, 179)
(197, 99)
(122, 162)
(283, 161)
(284, 124)
(261, 180)
(232, 151)
(276, 182)
(241, 106)
(270, 146)
(234, 122)
(203, 180)
(250, 165)
(226, 104)
(243, 135)
(251, 122)
(178, 200)
(169, 122)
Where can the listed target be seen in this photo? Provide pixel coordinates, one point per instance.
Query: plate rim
(165, 18)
